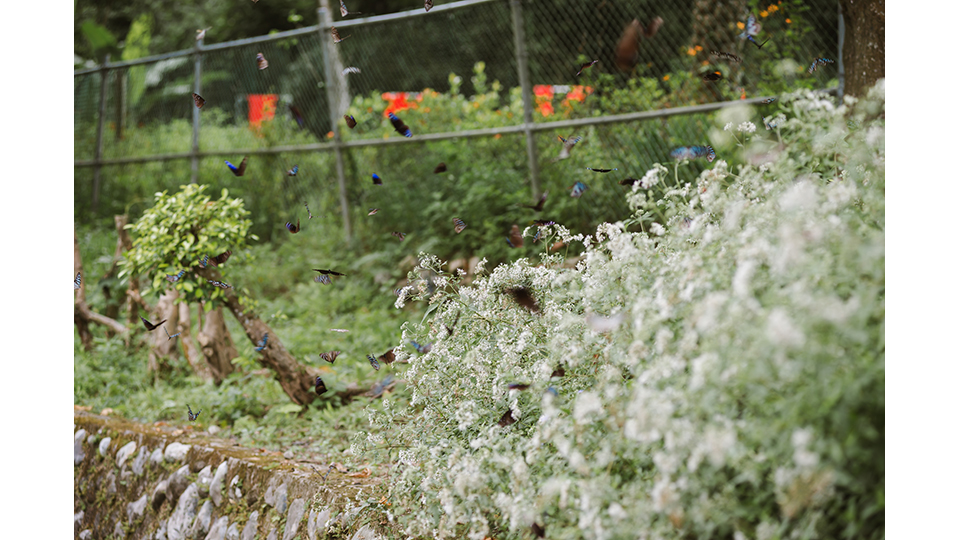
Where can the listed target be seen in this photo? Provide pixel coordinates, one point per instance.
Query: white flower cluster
(747, 127)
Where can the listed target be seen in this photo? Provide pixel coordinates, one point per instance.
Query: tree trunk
(82, 315)
(863, 45)
(194, 357)
(158, 359)
(296, 379)
(217, 346)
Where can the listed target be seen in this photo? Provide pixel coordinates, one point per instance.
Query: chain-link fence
(137, 131)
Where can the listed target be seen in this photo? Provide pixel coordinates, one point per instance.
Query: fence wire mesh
(441, 75)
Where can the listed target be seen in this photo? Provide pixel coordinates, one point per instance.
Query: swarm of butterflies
(626, 58)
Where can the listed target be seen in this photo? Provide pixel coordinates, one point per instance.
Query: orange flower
(329, 134)
(666, 77)
(740, 25)
(705, 62)
(543, 91)
(772, 8)
(497, 136)
(546, 108)
(698, 48)
(764, 13)
(789, 21)
(691, 51)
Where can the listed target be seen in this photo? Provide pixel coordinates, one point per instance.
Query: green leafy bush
(724, 371)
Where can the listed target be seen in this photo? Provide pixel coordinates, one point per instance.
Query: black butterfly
(712, 76)
(220, 284)
(198, 101)
(629, 181)
(522, 296)
(263, 343)
(150, 326)
(559, 372)
(193, 415)
(507, 419)
(387, 357)
(336, 35)
(442, 167)
(169, 337)
(328, 272)
(585, 66)
(294, 229)
(330, 356)
(320, 387)
(601, 170)
(221, 258)
(537, 530)
(238, 171)
(399, 235)
(517, 386)
(296, 115)
(373, 362)
(76, 282)
(398, 125)
(539, 206)
(351, 122)
(515, 240)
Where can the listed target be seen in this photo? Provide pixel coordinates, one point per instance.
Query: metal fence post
(527, 91)
(333, 100)
(840, 55)
(195, 145)
(101, 115)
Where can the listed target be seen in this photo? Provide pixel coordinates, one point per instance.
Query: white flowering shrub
(721, 374)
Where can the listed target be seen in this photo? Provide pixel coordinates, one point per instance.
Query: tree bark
(82, 315)
(157, 360)
(297, 380)
(194, 357)
(863, 45)
(217, 346)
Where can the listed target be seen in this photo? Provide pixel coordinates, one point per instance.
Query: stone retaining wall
(144, 482)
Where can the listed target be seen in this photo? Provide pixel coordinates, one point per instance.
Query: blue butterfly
(263, 343)
(693, 152)
(819, 62)
(296, 115)
(459, 225)
(169, 337)
(377, 180)
(220, 284)
(76, 282)
(768, 100)
(294, 229)
(203, 261)
(752, 29)
(567, 146)
(373, 362)
(193, 415)
(379, 387)
(578, 189)
(322, 279)
(293, 171)
(175, 278)
(422, 349)
(238, 171)
(398, 125)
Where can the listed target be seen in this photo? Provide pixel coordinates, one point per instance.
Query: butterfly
(399, 291)
(293, 171)
(628, 46)
(198, 101)
(552, 391)
(169, 337)
(398, 125)
(728, 56)
(261, 62)
(427, 4)
(601, 170)
(629, 181)
(175, 278)
(507, 419)
(336, 35)
(76, 282)
(373, 211)
(238, 171)
(422, 349)
(585, 66)
(819, 62)
(711, 76)
(221, 258)
(692, 152)
(202, 33)
(768, 100)
(263, 343)
(325, 280)
(770, 124)
(203, 261)
(319, 387)
(752, 29)
(309, 215)
(373, 362)
(351, 122)
(399, 235)
(522, 296)
(296, 115)
(387, 357)
(517, 386)
(543, 222)
(537, 530)
(329, 272)
(344, 12)
(442, 167)
(557, 245)
(567, 146)
(515, 240)
(150, 326)
(220, 284)
(458, 225)
(349, 70)
(193, 415)
(379, 387)
(539, 206)
(559, 372)
(330, 356)
(294, 229)
(578, 190)
(377, 181)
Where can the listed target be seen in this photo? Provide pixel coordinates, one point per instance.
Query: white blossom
(747, 127)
